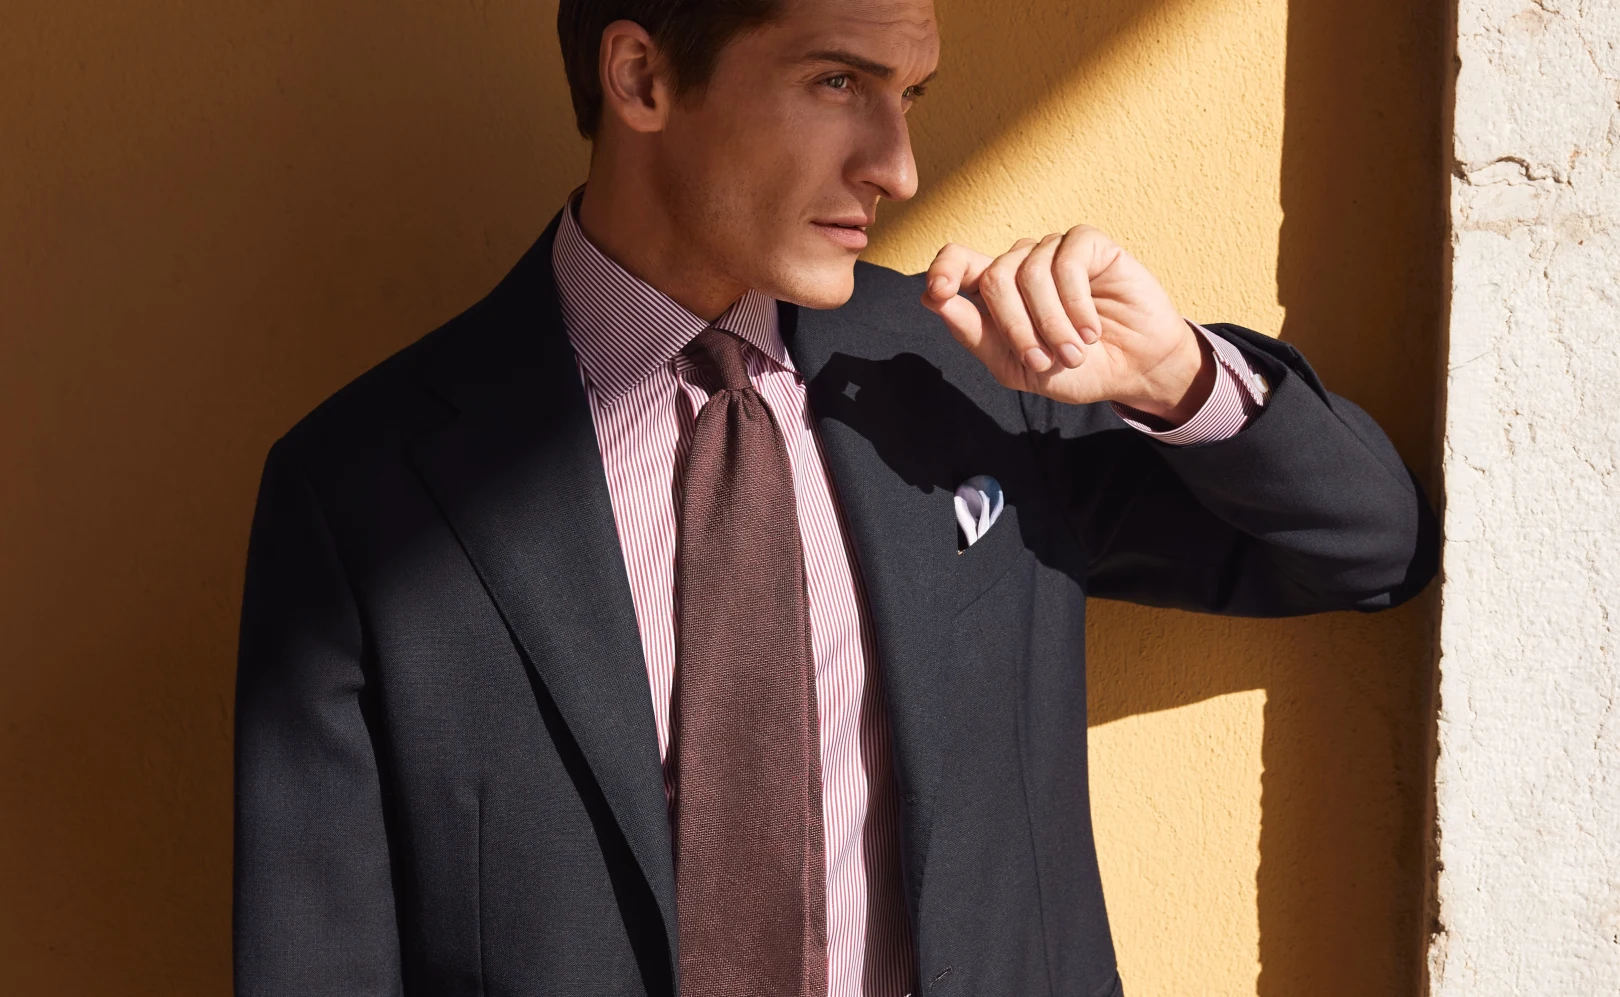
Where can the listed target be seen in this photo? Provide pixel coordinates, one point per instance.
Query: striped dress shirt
(628, 338)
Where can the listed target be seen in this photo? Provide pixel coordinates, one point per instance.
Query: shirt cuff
(1239, 394)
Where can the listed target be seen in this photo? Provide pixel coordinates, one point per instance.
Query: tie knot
(726, 353)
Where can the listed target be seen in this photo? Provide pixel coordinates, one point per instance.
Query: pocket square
(978, 504)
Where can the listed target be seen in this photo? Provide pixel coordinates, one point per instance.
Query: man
(623, 634)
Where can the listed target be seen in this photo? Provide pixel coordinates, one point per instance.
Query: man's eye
(840, 82)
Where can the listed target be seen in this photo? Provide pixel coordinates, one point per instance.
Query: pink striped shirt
(1240, 391)
(628, 336)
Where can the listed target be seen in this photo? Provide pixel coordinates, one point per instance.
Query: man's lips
(849, 233)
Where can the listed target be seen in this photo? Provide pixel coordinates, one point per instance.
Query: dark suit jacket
(447, 776)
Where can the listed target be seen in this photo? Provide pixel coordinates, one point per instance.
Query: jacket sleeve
(1307, 509)
(313, 902)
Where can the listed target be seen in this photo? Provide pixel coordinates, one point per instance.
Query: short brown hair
(689, 33)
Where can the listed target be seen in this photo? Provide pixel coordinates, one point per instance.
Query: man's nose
(885, 159)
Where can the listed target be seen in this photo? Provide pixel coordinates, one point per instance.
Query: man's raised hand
(1076, 318)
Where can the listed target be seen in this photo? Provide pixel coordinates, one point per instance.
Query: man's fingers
(1040, 293)
(963, 319)
(1082, 255)
(955, 270)
(956, 293)
(999, 288)
(970, 326)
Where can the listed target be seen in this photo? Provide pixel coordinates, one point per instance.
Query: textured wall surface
(1529, 771)
(212, 214)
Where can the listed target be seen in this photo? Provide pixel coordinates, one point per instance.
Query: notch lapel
(518, 475)
(904, 536)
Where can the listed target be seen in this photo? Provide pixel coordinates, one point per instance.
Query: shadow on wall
(211, 217)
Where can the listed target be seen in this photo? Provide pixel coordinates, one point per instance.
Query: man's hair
(689, 34)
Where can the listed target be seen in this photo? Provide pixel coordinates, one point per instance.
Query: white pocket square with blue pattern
(978, 504)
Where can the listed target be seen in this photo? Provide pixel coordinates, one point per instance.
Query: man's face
(775, 168)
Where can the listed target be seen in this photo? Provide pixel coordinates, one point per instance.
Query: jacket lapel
(517, 473)
(904, 537)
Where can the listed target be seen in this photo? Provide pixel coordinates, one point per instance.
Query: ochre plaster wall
(214, 214)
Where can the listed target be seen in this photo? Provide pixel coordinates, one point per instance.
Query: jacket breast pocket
(982, 564)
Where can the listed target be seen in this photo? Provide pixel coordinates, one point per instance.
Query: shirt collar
(623, 329)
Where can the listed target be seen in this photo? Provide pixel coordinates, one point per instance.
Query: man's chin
(814, 285)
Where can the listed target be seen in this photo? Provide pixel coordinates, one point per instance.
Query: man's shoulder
(885, 346)
(884, 317)
(406, 393)
(378, 398)
(889, 302)
(881, 287)
(373, 416)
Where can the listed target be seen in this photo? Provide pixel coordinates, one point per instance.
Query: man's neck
(623, 217)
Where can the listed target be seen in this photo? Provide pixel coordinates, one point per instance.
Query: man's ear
(635, 86)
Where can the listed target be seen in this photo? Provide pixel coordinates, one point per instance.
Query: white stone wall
(1529, 766)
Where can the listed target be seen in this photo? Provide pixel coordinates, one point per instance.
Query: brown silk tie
(750, 866)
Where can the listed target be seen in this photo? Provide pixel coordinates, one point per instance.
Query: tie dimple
(727, 353)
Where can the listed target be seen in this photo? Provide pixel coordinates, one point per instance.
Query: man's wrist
(1179, 386)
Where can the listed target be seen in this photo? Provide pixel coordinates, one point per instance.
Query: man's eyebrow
(853, 61)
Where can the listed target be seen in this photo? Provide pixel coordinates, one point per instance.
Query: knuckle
(1030, 272)
(995, 280)
(1056, 329)
(1068, 268)
(1073, 279)
(1073, 286)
